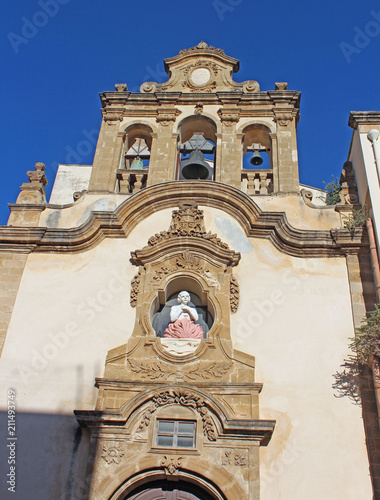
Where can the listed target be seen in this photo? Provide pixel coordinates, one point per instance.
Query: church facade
(208, 296)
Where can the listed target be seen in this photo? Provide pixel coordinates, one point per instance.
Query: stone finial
(32, 199)
(34, 193)
(121, 87)
(281, 86)
(37, 176)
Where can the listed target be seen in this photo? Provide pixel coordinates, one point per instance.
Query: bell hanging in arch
(196, 167)
(256, 159)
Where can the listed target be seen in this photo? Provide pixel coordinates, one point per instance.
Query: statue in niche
(180, 319)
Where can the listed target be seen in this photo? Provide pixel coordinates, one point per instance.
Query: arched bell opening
(170, 307)
(256, 139)
(257, 161)
(137, 147)
(196, 149)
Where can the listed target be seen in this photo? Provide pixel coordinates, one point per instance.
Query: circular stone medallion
(200, 77)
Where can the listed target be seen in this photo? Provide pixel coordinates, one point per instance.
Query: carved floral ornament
(184, 398)
(112, 452)
(171, 464)
(237, 457)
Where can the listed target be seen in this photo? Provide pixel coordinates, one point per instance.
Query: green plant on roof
(333, 189)
(356, 219)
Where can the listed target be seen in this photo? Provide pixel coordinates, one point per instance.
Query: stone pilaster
(229, 154)
(164, 148)
(287, 150)
(103, 172)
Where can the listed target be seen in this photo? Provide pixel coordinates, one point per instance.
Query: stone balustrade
(131, 181)
(257, 181)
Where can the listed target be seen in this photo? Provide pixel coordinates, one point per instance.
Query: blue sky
(56, 63)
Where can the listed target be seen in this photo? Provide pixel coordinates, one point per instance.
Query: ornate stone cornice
(119, 223)
(150, 399)
(363, 118)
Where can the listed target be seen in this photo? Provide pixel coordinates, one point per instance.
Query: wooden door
(167, 491)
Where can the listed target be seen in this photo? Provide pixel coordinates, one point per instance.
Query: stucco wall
(294, 317)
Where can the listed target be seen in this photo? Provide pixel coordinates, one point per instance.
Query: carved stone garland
(187, 261)
(135, 288)
(185, 398)
(234, 294)
(155, 370)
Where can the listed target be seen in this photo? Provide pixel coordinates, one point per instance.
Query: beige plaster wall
(294, 317)
(76, 214)
(298, 213)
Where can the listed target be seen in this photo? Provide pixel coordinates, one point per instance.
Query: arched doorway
(168, 490)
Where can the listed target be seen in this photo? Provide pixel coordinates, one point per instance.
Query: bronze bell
(196, 167)
(256, 159)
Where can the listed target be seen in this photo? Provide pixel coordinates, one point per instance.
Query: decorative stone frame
(214, 382)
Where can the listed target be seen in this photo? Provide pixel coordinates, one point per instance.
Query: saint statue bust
(180, 319)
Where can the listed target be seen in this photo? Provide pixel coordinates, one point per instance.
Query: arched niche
(167, 298)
